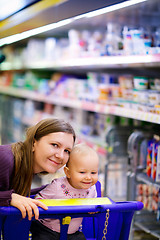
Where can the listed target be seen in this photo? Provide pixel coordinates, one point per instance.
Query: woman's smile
(55, 162)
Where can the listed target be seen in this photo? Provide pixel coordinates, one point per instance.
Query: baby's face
(83, 170)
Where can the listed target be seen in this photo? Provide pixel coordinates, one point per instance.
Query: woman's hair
(23, 154)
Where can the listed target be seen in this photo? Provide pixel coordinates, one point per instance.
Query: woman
(45, 150)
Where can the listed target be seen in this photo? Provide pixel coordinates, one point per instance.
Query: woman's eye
(54, 145)
(67, 151)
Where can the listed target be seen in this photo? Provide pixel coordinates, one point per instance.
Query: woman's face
(52, 152)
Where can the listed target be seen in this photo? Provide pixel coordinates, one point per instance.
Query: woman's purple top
(6, 175)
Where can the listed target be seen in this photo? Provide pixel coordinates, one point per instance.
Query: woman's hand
(27, 205)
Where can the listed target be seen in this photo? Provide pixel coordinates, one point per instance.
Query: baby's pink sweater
(61, 189)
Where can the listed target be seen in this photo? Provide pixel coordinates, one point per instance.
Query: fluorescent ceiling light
(36, 31)
(33, 32)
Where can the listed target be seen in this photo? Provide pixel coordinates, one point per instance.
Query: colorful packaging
(158, 164)
(155, 198)
(149, 156)
(154, 160)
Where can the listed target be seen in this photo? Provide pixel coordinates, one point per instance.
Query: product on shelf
(149, 195)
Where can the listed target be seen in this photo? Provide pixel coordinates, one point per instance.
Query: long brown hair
(23, 155)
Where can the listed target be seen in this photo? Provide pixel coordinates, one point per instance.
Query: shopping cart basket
(110, 220)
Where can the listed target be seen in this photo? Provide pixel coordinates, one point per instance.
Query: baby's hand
(27, 205)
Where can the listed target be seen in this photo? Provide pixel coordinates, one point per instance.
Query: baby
(81, 175)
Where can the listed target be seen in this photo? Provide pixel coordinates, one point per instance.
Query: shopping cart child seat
(110, 220)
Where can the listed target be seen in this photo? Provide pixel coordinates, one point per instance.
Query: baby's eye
(93, 172)
(82, 172)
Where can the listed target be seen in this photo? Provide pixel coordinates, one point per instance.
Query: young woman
(46, 149)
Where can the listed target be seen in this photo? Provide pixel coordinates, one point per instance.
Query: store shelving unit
(120, 63)
(142, 177)
(96, 63)
(85, 105)
(87, 64)
(147, 220)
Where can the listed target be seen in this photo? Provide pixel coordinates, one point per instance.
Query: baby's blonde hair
(81, 148)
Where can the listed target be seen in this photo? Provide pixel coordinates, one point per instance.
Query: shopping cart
(103, 218)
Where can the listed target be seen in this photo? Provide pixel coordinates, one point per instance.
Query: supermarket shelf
(147, 222)
(85, 105)
(112, 61)
(109, 62)
(142, 177)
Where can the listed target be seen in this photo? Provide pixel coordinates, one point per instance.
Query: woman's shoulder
(6, 149)
(6, 153)
(6, 161)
